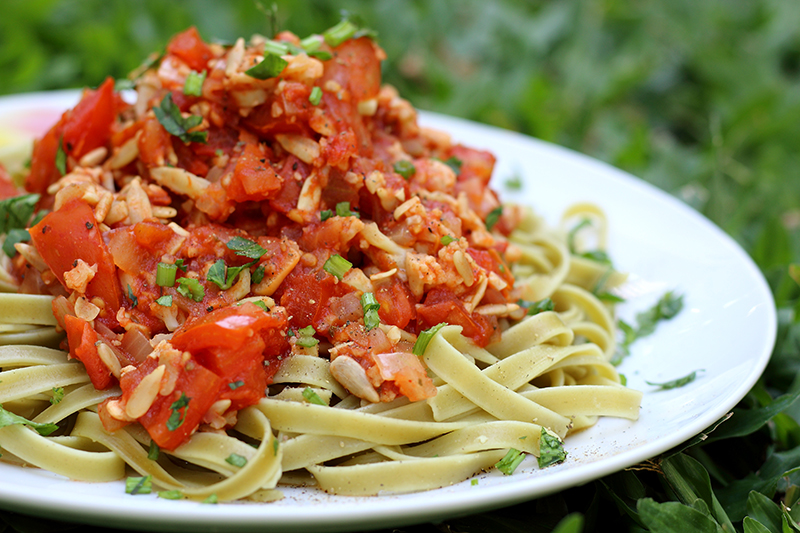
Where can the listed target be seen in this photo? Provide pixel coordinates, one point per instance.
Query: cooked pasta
(269, 274)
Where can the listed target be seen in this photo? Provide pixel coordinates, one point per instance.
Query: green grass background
(701, 98)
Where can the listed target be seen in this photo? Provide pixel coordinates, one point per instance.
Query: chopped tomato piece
(189, 47)
(171, 419)
(82, 346)
(397, 307)
(88, 125)
(69, 234)
(441, 305)
(253, 176)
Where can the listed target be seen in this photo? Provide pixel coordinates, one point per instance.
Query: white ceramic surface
(727, 328)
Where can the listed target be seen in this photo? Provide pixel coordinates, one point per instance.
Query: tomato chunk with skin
(173, 418)
(190, 48)
(82, 341)
(82, 129)
(70, 233)
(441, 305)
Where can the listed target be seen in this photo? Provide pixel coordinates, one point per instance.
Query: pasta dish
(265, 272)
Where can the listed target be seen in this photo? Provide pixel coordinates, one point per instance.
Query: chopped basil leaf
(425, 338)
(154, 451)
(666, 308)
(236, 460)
(262, 305)
(601, 256)
(235, 384)
(245, 248)
(176, 418)
(165, 300)
(194, 83)
(447, 239)
(534, 308)
(474, 482)
(258, 275)
(211, 499)
(325, 215)
(343, 210)
(275, 445)
(171, 494)
(405, 168)
(336, 265)
(191, 288)
(623, 380)
(605, 295)
(16, 212)
(218, 274)
(61, 157)
(316, 96)
(14, 236)
(675, 383)
(165, 274)
(132, 297)
(370, 306)
(7, 418)
(551, 450)
(493, 217)
(454, 163)
(180, 264)
(312, 397)
(510, 462)
(173, 121)
(139, 485)
(58, 395)
(270, 67)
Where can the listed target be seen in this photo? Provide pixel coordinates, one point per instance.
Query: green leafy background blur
(701, 98)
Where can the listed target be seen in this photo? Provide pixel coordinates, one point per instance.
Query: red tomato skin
(201, 387)
(70, 233)
(190, 48)
(441, 305)
(89, 124)
(82, 346)
(397, 303)
(82, 129)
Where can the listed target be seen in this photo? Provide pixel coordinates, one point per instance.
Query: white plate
(727, 328)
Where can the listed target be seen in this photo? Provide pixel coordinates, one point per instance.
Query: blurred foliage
(701, 99)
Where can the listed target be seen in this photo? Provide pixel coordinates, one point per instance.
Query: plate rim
(340, 517)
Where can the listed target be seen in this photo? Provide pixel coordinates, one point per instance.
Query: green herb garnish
(447, 239)
(510, 462)
(173, 121)
(165, 274)
(236, 460)
(176, 418)
(132, 297)
(343, 210)
(370, 306)
(305, 337)
(61, 157)
(154, 451)
(245, 248)
(336, 265)
(14, 236)
(7, 418)
(191, 288)
(235, 384)
(312, 397)
(666, 308)
(551, 450)
(493, 217)
(58, 395)
(258, 275)
(165, 300)
(534, 308)
(270, 67)
(139, 485)
(316, 96)
(405, 168)
(194, 83)
(425, 338)
(675, 383)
